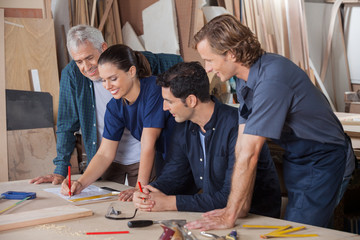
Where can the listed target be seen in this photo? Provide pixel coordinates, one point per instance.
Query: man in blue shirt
(277, 101)
(82, 105)
(197, 174)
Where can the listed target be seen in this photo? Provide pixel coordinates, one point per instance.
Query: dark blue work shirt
(185, 174)
(279, 96)
(146, 112)
(279, 101)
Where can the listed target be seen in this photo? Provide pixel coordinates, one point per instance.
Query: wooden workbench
(75, 228)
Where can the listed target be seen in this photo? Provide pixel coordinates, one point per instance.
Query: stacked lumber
(280, 27)
(27, 42)
(103, 14)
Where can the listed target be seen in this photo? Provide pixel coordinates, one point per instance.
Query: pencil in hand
(141, 189)
(69, 173)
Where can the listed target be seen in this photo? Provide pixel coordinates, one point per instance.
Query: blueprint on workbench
(88, 192)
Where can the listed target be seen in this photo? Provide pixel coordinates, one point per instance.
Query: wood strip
(277, 27)
(327, 51)
(47, 5)
(285, 35)
(23, 12)
(42, 216)
(321, 85)
(106, 13)
(343, 45)
(86, 10)
(237, 9)
(93, 11)
(66, 53)
(229, 5)
(109, 32)
(70, 14)
(3, 136)
(117, 22)
(183, 16)
(295, 34)
(22, 4)
(304, 36)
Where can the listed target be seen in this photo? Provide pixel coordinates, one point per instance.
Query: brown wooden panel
(31, 152)
(183, 14)
(32, 47)
(131, 11)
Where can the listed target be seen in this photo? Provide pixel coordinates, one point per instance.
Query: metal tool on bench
(145, 223)
(231, 236)
(175, 230)
(114, 214)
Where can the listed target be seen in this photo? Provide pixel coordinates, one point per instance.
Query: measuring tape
(94, 197)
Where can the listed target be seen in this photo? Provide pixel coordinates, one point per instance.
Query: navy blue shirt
(77, 109)
(145, 112)
(185, 174)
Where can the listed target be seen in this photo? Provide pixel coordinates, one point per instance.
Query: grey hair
(79, 34)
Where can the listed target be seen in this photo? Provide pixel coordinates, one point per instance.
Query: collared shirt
(279, 99)
(185, 174)
(77, 109)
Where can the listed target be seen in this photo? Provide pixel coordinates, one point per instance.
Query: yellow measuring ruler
(94, 197)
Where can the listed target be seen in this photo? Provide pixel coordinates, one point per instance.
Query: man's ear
(104, 46)
(191, 100)
(231, 56)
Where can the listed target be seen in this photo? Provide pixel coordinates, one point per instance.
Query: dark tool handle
(139, 223)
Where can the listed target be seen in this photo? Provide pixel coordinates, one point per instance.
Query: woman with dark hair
(137, 105)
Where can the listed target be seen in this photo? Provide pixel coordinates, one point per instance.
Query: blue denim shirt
(199, 188)
(77, 109)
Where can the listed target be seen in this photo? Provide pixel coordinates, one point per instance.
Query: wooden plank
(23, 12)
(183, 15)
(42, 216)
(295, 33)
(70, 14)
(106, 13)
(327, 51)
(343, 46)
(131, 11)
(93, 12)
(24, 4)
(237, 9)
(109, 28)
(3, 137)
(30, 152)
(32, 47)
(229, 5)
(47, 5)
(117, 23)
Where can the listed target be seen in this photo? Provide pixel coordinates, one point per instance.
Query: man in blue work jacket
(197, 174)
(277, 101)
